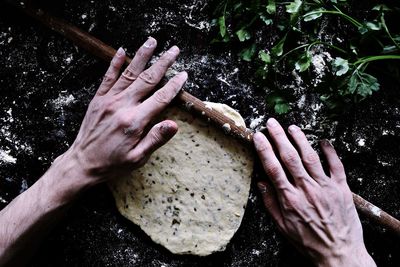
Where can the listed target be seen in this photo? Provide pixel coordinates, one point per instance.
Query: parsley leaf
(277, 50)
(362, 84)
(243, 35)
(314, 14)
(340, 66)
(247, 54)
(265, 57)
(222, 26)
(271, 7)
(304, 62)
(281, 106)
(294, 7)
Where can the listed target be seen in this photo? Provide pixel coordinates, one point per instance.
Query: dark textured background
(46, 83)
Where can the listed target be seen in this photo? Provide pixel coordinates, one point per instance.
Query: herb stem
(375, 58)
(333, 12)
(326, 44)
(291, 51)
(388, 32)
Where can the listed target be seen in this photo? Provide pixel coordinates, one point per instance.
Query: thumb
(158, 136)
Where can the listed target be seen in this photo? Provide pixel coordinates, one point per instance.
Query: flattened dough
(191, 195)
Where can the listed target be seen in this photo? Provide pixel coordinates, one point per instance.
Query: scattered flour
(319, 62)
(376, 211)
(5, 157)
(361, 142)
(257, 122)
(63, 100)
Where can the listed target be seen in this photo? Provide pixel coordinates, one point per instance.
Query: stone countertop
(46, 83)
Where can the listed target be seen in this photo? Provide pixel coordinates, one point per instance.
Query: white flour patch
(257, 122)
(63, 100)
(319, 62)
(361, 142)
(2, 200)
(6, 157)
(376, 211)
(14, 144)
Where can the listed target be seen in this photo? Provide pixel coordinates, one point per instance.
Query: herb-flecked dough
(191, 195)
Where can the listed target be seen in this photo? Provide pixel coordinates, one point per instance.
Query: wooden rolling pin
(193, 104)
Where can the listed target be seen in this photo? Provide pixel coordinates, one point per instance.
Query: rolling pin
(190, 102)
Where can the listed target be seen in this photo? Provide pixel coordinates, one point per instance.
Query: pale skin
(315, 212)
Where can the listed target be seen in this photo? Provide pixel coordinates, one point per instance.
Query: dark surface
(46, 84)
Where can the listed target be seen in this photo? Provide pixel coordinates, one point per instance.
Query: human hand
(113, 136)
(313, 210)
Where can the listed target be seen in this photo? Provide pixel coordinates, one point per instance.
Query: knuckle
(272, 169)
(262, 148)
(338, 166)
(164, 62)
(124, 121)
(114, 64)
(174, 83)
(137, 158)
(109, 105)
(143, 52)
(162, 96)
(290, 158)
(129, 74)
(149, 77)
(311, 158)
(133, 128)
(276, 132)
(108, 77)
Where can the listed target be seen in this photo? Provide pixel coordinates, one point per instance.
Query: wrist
(65, 179)
(357, 257)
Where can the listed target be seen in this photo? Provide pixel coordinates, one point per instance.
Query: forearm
(27, 219)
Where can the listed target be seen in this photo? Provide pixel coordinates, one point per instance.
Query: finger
(112, 73)
(309, 157)
(288, 154)
(149, 78)
(162, 97)
(271, 202)
(335, 164)
(271, 164)
(158, 135)
(137, 65)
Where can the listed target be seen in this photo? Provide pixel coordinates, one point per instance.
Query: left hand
(113, 137)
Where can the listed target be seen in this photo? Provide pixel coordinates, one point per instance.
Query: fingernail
(272, 122)
(164, 128)
(120, 52)
(262, 188)
(293, 128)
(173, 50)
(183, 74)
(150, 42)
(167, 129)
(325, 142)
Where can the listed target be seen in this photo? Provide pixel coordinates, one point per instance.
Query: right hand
(313, 210)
